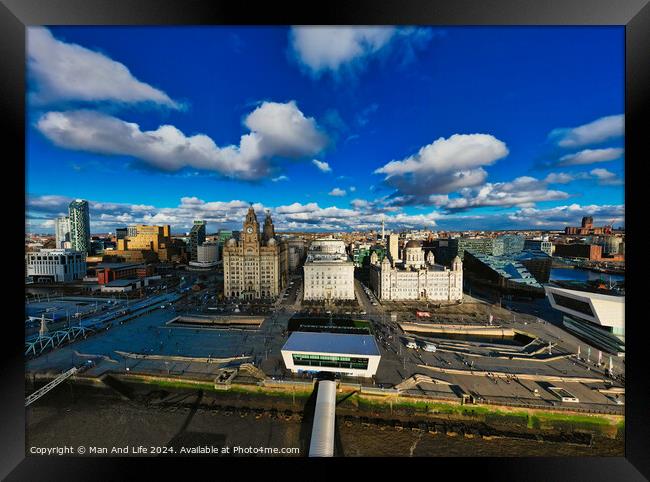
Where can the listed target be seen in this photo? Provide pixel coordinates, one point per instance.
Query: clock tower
(251, 231)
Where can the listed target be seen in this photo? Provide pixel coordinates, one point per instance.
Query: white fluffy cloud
(591, 156)
(337, 192)
(278, 130)
(523, 191)
(333, 48)
(558, 178)
(105, 217)
(600, 130)
(569, 215)
(444, 166)
(328, 48)
(322, 165)
(66, 71)
(602, 176)
(606, 178)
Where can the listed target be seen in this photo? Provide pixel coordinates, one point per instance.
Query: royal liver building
(416, 278)
(251, 265)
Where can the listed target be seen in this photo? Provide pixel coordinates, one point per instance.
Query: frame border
(15, 15)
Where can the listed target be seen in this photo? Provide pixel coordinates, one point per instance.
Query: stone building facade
(251, 264)
(416, 278)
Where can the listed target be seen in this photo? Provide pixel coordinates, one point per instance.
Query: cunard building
(415, 277)
(251, 264)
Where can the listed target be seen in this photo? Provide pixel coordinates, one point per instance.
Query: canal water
(564, 274)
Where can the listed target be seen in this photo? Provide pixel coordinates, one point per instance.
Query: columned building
(416, 278)
(329, 272)
(251, 265)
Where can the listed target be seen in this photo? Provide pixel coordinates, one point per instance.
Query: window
(573, 304)
(330, 361)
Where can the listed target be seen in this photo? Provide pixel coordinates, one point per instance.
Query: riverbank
(356, 412)
(90, 416)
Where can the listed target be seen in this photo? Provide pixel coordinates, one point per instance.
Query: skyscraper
(79, 225)
(62, 232)
(197, 238)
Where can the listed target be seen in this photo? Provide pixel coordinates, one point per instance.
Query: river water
(564, 274)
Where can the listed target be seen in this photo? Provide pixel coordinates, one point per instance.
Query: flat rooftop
(331, 343)
(122, 282)
(119, 265)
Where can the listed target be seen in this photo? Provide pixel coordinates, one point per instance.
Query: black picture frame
(15, 15)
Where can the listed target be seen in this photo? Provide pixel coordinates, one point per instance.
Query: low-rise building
(539, 245)
(505, 273)
(595, 317)
(591, 252)
(56, 265)
(352, 355)
(108, 272)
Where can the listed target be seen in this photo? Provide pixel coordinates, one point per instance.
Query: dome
(271, 242)
(413, 244)
(231, 242)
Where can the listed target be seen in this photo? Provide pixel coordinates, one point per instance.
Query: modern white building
(353, 355)
(62, 232)
(596, 317)
(415, 278)
(207, 255)
(56, 265)
(328, 271)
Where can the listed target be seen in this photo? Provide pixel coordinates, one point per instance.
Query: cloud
(606, 178)
(70, 72)
(523, 191)
(558, 178)
(280, 178)
(595, 132)
(444, 166)
(568, 215)
(591, 156)
(106, 216)
(337, 192)
(333, 49)
(278, 130)
(322, 165)
(602, 176)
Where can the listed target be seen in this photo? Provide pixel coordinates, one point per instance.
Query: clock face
(249, 230)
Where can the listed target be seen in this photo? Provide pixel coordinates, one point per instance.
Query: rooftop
(509, 267)
(119, 265)
(332, 343)
(122, 282)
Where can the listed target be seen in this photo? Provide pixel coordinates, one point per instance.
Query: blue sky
(328, 128)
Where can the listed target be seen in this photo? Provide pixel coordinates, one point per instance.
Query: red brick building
(592, 252)
(107, 272)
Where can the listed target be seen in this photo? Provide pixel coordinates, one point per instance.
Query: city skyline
(444, 129)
